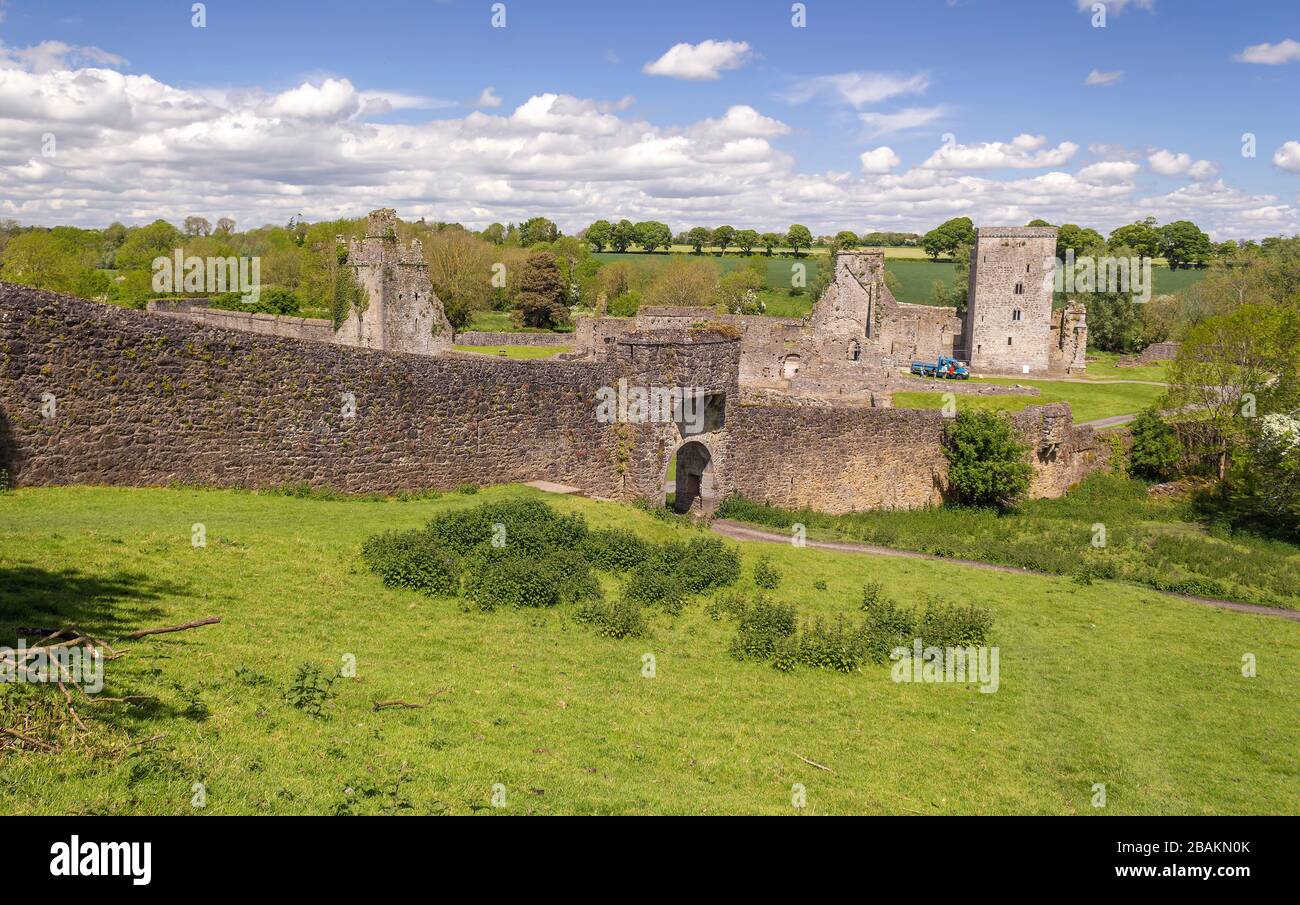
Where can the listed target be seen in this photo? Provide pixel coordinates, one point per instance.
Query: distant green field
(520, 352)
(1088, 401)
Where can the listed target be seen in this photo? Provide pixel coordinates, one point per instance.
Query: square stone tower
(1008, 323)
(400, 311)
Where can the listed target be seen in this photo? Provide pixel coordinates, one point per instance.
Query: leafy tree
(225, 226)
(699, 237)
(460, 268)
(622, 236)
(769, 241)
(1261, 492)
(197, 226)
(1143, 237)
(144, 243)
(1114, 321)
(738, 291)
(537, 229)
(798, 236)
(684, 281)
(947, 237)
(539, 301)
(599, 234)
(1182, 243)
(723, 237)
(987, 464)
(1039, 222)
(1077, 238)
(651, 234)
(1230, 370)
(747, 240)
(494, 233)
(1156, 450)
(846, 239)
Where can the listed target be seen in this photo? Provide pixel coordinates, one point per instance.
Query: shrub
(1155, 452)
(414, 560)
(987, 464)
(469, 489)
(951, 625)
(730, 604)
(762, 627)
(615, 549)
(836, 647)
(618, 619)
(706, 563)
(766, 575)
(496, 578)
(651, 586)
(887, 626)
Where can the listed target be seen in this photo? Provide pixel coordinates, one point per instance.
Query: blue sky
(980, 71)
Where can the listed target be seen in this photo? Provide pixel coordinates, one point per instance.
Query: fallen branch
(385, 705)
(165, 629)
(813, 763)
(27, 739)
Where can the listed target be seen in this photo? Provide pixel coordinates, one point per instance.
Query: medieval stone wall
(141, 399)
(489, 338)
(199, 312)
(846, 459)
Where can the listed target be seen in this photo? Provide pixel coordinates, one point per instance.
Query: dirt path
(741, 531)
(1111, 421)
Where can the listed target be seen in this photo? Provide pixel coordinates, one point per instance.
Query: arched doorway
(695, 482)
(790, 366)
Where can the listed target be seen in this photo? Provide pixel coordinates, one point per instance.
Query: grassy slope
(1099, 684)
(522, 352)
(1088, 400)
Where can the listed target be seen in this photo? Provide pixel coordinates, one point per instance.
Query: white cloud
(1288, 157)
(699, 62)
(1117, 6)
(742, 120)
(1286, 51)
(1109, 172)
(1022, 152)
(858, 89)
(49, 56)
(879, 160)
(1167, 163)
(488, 98)
(902, 120)
(1097, 77)
(132, 148)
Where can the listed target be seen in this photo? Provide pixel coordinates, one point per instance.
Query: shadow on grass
(104, 605)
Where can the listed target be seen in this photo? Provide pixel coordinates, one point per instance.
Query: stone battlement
(1016, 232)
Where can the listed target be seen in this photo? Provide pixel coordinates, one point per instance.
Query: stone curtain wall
(838, 459)
(197, 311)
(147, 400)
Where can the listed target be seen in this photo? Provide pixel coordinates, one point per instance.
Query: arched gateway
(696, 482)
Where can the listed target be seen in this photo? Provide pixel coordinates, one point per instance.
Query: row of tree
(651, 235)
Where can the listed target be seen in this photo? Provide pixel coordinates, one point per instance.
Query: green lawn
(1101, 366)
(521, 352)
(1105, 683)
(1088, 400)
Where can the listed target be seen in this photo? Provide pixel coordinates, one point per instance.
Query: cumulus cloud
(1022, 152)
(1097, 77)
(488, 98)
(858, 89)
(902, 120)
(1286, 51)
(1167, 163)
(1109, 172)
(1288, 157)
(699, 62)
(879, 160)
(49, 56)
(132, 148)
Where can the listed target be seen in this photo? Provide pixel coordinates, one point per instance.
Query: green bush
(617, 619)
(705, 564)
(836, 646)
(495, 578)
(952, 625)
(887, 626)
(649, 585)
(615, 549)
(1155, 452)
(987, 463)
(414, 560)
(762, 627)
(766, 575)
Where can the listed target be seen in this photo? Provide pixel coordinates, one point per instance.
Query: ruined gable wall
(197, 311)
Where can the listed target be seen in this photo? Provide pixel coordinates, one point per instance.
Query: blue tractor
(945, 368)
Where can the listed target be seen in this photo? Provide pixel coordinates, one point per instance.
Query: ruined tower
(398, 310)
(1009, 324)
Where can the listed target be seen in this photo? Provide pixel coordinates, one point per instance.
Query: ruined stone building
(1009, 326)
(383, 404)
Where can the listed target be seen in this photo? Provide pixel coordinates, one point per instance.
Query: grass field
(1105, 683)
(1088, 401)
(1101, 366)
(520, 352)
